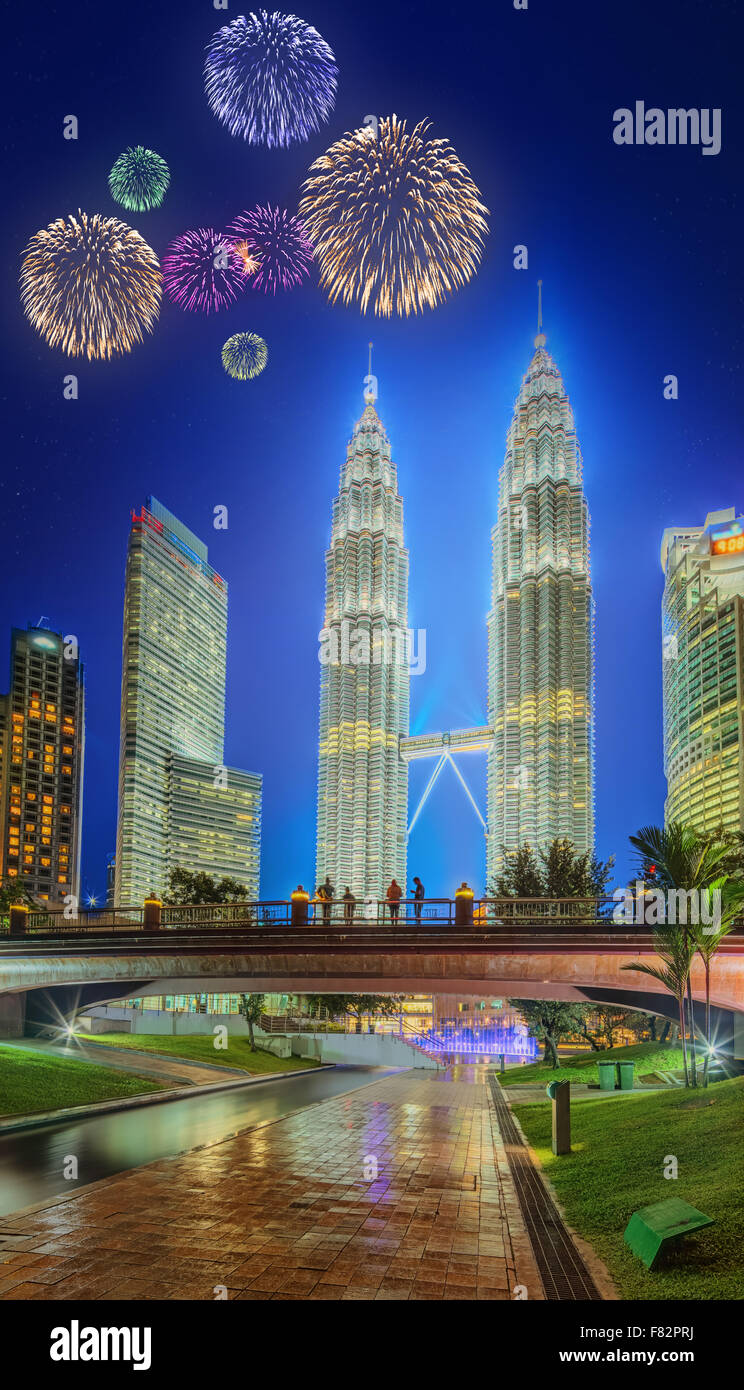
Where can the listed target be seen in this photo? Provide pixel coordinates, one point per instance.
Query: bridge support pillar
(12, 1015)
(152, 914)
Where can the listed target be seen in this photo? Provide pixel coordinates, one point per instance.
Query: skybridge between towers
(444, 747)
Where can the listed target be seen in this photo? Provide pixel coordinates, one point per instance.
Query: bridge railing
(483, 918)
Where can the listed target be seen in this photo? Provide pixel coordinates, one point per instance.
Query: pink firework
(279, 243)
(201, 271)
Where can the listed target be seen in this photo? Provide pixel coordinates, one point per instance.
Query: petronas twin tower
(540, 734)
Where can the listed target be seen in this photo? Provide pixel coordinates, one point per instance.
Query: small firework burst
(270, 78)
(90, 285)
(279, 242)
(250, 262)
(244, 356)
(139, 179)
(201, 271)
(395, 218)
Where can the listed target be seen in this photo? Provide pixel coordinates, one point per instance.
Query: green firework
(139, 179)
(244, 356)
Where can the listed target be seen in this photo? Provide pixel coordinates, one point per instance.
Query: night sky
(639, 249)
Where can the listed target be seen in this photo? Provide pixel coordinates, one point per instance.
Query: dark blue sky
(640, 253)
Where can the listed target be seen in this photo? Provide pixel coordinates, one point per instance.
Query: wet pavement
(399, 1189)
(33, 1161)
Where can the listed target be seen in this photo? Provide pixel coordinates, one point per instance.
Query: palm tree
(675, 953)
(684, 858)
(709, 937)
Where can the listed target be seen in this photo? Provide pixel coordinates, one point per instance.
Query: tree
(678, 857)
(675, 953)
(355, 1005)
(555, 872)
(187, 888)
(252, 1008)
(12, 891)
(550, 1021)
(607, 1020)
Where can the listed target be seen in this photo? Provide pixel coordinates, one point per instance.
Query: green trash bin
(606, 1076)
(625, 1075)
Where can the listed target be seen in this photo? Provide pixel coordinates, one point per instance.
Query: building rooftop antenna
(540, 340)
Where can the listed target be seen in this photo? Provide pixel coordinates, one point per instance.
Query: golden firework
(395, 218)
(90, 285)
(251, 263)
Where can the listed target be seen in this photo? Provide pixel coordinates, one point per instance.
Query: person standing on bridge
(325, 896)
(394, 895)
(419, 893)
(349, 902)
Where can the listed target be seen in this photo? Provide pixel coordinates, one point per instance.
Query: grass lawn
(201, 1048)
(617, 1166)
(31, 1081)
(648, 1057)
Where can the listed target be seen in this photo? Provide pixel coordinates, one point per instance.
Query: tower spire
(540, 340)
(370, 382)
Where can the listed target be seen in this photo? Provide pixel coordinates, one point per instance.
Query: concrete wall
(360, 1049)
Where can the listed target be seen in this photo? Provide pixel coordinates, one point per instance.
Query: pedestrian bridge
(568, 949)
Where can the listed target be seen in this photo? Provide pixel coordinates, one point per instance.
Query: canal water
(32, 1161)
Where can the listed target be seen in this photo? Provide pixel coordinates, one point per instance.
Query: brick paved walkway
(285, 1211)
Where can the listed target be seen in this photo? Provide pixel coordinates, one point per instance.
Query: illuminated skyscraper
(540, 629)
(178, 805)
(364, 681)
(42, 746)
(703, 672)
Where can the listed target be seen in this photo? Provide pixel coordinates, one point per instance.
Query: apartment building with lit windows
(42, 752)
(179, 806)
(703, 672)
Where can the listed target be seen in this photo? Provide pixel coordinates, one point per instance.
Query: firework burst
(90, 285)
(396, 219)
(270, 78)
(201, 271)
(250, 262)
(280, 245)
(244, 356)
(139, 179)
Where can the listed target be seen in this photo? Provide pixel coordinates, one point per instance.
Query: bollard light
(299, 900)
(152, 912)
(464, 906)
(18, 918)
(560, 1095)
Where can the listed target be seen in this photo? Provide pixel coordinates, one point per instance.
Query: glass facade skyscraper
(540, 630)
(703, 672)
(178, 805)
(364, 682)
(42, 750)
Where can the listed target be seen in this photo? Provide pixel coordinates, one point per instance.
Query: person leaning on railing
(394, 895)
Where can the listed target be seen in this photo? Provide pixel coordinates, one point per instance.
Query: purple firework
(201, 271)
(270, 78)
(279, 243)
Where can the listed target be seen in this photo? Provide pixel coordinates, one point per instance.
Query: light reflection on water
(32, 1161)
